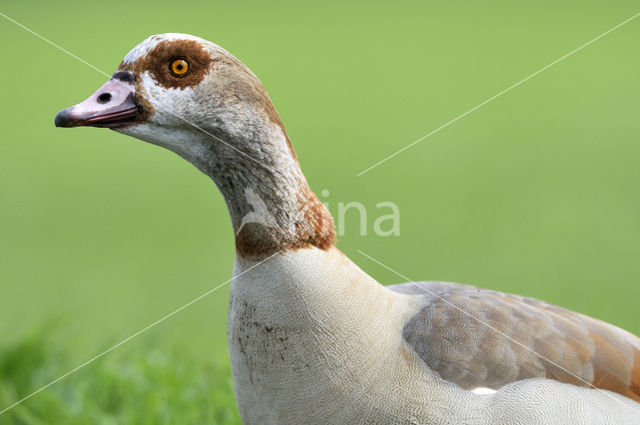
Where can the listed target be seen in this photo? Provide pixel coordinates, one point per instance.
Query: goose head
(194, 98)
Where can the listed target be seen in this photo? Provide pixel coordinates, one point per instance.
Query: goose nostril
(104, 97)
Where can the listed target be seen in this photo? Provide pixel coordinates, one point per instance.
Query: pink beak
(113, 105)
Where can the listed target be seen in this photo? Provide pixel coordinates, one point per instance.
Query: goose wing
(481, 338)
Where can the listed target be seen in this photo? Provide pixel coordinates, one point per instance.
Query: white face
(176, 122)
(195, 94)
(190, 96)
(172, 101)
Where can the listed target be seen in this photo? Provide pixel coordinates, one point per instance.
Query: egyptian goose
(312, 338)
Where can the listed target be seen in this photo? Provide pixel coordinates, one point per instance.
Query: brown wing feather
(529, 339)
(634, 388)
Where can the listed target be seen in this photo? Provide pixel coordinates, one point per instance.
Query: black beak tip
(62, 119)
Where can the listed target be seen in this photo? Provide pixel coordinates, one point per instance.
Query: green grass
(155, 386)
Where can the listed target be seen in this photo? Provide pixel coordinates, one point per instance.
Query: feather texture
(525, 338)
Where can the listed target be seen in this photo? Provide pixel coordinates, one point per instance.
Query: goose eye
(179, 67)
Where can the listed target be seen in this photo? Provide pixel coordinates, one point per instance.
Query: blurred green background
(100, 235)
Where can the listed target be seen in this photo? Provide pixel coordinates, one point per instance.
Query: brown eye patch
(173, 63)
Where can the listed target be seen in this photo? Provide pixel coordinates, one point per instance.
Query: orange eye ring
(179, 67)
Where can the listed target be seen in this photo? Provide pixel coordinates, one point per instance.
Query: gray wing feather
(481, 338)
